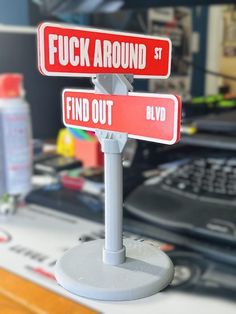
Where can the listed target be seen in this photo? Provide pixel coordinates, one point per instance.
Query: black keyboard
(197, 198)
(207, 179)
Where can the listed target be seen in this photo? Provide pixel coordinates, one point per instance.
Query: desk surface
(21, 296)
(30, 243)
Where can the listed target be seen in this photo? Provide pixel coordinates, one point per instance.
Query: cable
(214, 73)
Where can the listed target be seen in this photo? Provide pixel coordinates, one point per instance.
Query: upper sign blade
(77, 51)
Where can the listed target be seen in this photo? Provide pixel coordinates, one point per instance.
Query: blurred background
(203, 38)
(181, 198)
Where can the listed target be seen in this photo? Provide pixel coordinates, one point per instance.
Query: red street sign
(78, 51)
(150, 117)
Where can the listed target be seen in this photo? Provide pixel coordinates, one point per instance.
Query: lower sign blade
(144, 116)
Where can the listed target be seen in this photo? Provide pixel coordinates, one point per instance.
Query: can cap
(11, 85)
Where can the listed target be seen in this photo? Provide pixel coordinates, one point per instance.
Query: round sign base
(146, 271)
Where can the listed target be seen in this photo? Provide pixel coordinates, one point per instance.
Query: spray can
(2, 172)
(15, 136)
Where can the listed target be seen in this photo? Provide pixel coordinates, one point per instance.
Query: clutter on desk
(65, 143)
(80, 144)
(91, 180)
(209, 121)
(203, 105)
(53, 164)
(38, 147)
(7, 204)
(88, 180)
(39, 180)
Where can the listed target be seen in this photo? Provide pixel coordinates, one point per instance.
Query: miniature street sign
(78, 51)
(107, 269)
(145, 116)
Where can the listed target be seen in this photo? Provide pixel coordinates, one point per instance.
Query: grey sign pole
(113, 144)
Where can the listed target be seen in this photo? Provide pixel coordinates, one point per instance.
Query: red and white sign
(78, 51)
(150, 117)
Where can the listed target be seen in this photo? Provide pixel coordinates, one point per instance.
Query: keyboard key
(216, 161)
(231, 162)
(227, 169)
(181, 185)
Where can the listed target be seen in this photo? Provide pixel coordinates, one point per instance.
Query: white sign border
(41, 58)
(150, 139)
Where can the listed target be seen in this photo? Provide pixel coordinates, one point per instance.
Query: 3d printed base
(146, 271)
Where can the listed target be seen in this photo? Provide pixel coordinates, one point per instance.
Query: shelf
(210, 141)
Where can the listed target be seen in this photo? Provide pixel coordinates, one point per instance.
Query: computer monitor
(18, 53)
